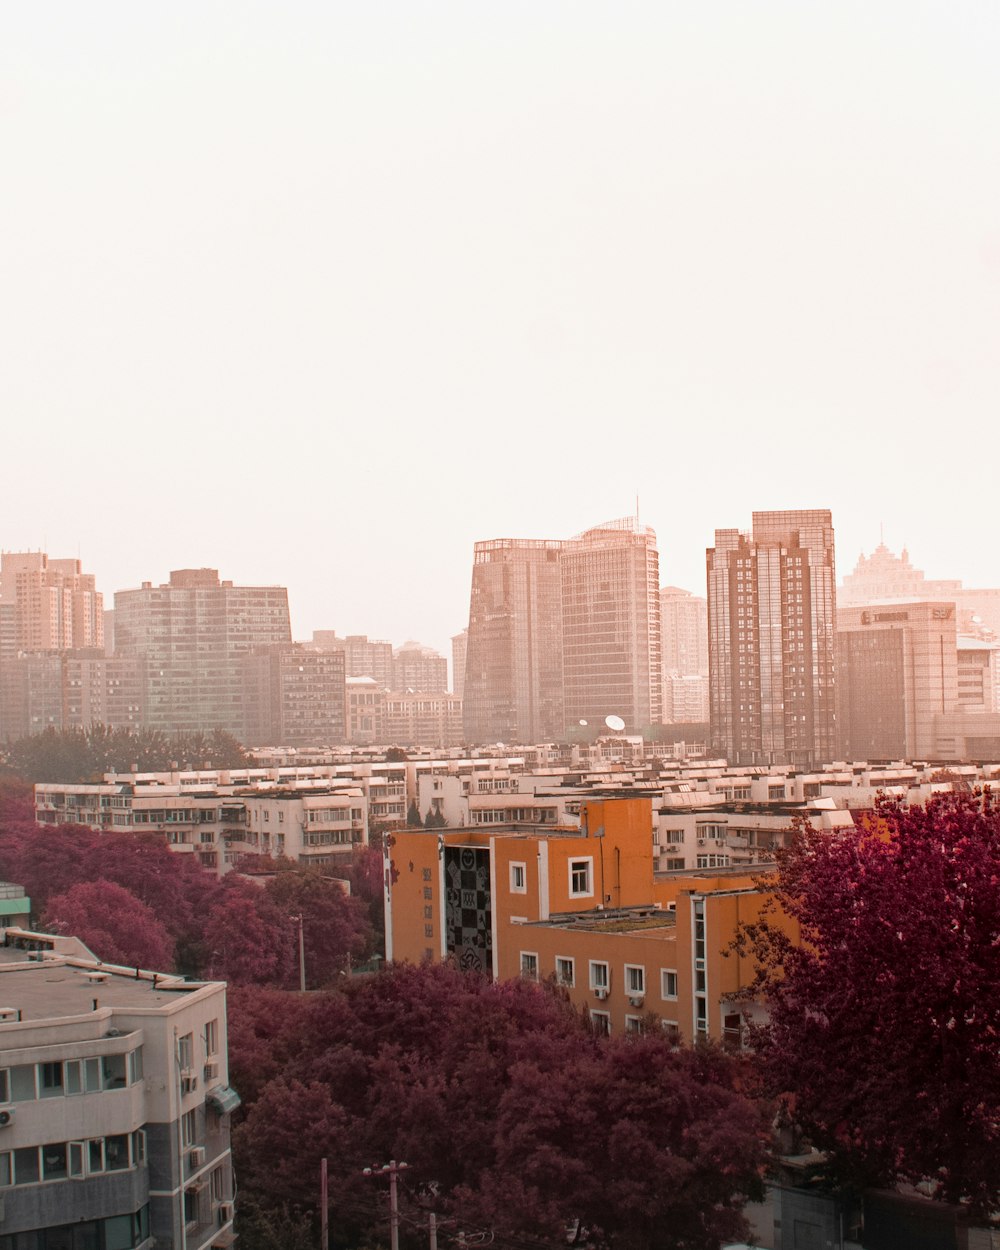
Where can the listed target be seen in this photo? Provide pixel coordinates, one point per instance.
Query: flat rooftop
(46, 985)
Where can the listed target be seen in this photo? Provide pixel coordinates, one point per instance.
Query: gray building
(114, 1103)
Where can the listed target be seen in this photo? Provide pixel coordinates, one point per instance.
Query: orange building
(581, 906)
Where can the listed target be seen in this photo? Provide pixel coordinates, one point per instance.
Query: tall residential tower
(771, 623)
(513, 663)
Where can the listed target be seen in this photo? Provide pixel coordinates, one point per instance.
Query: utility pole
(324, 1206)
(432, 1230)
(393, 1170)
(302, 954)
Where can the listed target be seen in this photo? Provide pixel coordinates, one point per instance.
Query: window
(185, 1051)
(518, 878)
(113, 1071)
(529, 965)
(135, 1066)
(599, 979)
(565, 971)
(580, 877)
(189, 1128)
(601, 1020)
(54, 1161)
(50, 1080)
(668, 983)
(635, 980)
(633, 1024)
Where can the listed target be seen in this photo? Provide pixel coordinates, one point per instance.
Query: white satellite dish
(614, 722)
(583, 722)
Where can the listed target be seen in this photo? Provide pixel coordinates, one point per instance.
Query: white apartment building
(114, 1104)
(312, 815)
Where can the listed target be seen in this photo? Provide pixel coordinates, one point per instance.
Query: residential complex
(114, 1103)
(192, 635)
(772, 619)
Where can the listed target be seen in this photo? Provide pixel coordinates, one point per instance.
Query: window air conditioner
(196, 1156)
(600, 991)
(211, 1070)
(226, 1212)
(189, 1081)
(636, 1000)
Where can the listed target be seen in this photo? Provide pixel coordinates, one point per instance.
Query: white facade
(114, 1101)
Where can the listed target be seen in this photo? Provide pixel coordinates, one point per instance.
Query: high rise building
(771, 623)
(296, 696)
(459, 646)
(684, 631)
(363, 656)
(611, 625)
(47, 605)
(513, 667)
(193, 633)
(418, 669)
(897, 671)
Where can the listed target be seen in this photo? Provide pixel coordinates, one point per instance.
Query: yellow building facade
(582, 907)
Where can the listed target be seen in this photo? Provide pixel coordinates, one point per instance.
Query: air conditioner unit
(211, 1070)
(636, 1000)
(226, 1212)
(189, 1081)
(701, 841)
(6, 1116)
(196, 1156)
(600, 991)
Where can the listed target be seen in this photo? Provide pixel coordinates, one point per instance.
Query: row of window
(599, 975)
(57, 1161)
(28, 1081)
(117, 1232)
(581, 878)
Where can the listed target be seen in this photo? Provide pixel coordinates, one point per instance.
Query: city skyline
(341, 289)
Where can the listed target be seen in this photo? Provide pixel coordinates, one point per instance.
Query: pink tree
(885, 1019)
(118, 927)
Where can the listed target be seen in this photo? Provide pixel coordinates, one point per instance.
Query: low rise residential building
(585, 906)
(114, 1103)
(220, 816)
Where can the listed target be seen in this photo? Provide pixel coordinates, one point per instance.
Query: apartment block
(419, 670)
(193, 634)
(772, 620)
(583, 906)
(47, 605)
(114, 1103)
(363, 657)
(513, 661)
(218, 816)
(684, 630)
(295, 696)
(611, 626)
(421, 719)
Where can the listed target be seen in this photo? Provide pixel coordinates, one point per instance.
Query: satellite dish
(583, 722)
(614, 722)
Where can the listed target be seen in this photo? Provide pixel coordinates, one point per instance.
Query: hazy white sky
(321, 293)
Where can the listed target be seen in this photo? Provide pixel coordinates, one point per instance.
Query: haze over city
(320, 296)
